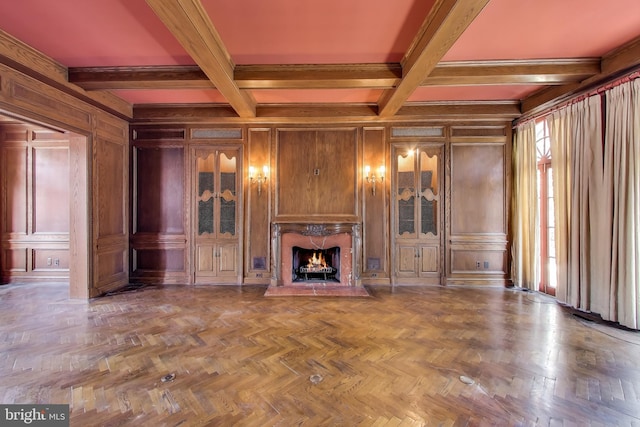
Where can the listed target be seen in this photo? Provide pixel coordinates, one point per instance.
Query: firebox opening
(317, 265)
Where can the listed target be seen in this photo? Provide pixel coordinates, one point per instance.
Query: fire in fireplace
(316, 264)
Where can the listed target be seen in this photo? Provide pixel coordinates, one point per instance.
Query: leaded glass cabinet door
(417, 213)
(216, 219)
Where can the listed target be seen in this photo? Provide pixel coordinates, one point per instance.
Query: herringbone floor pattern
(399, 358)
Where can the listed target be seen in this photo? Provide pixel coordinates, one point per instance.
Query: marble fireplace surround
(310, 235)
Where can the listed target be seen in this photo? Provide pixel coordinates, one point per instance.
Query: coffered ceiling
(377, 56)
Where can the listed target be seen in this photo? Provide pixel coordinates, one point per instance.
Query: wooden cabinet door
(406, 261)
(417, 212)
(217, 204)
(228, 260)
(429, 260)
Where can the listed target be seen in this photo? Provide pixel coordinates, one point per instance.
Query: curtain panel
(596, 187)
(622, 160)
(576, 153)
(526, 239)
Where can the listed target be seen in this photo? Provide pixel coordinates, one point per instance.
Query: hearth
(326, 254)
(316, 264)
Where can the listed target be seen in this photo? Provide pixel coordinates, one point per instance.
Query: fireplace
(324, 254)
(317, 264)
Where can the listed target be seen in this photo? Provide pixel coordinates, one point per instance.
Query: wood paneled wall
(97, 178)
(110, 184)
(258, 206)
(479, 163)
(101, 200)
(34, 176)
(375, 208)
(316, 174)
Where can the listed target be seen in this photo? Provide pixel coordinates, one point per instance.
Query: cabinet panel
(205, 259)
(417, 212)
(214, 261)
(429, 259)
(217, 201)
(295, 172)
(406, 260)
(228, 259)
(335, 184)
(317, 172)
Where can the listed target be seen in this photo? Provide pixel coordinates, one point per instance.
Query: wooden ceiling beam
(334, 76)
(338, 76)
(535, 72)
(328, 113)
(318, 76)
(444, 24)
(154, 77)
(189, 23)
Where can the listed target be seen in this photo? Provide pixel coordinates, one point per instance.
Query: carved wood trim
(24, 59)
(614, 64)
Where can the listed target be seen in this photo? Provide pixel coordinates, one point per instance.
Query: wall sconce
(261, 178)
(372, 178)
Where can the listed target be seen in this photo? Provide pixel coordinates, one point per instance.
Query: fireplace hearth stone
(316, 290)
(344, 236)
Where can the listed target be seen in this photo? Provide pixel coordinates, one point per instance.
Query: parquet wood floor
(401, 357)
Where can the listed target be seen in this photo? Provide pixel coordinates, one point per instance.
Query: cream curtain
(622, 160)
(525, 208)
(576, 147)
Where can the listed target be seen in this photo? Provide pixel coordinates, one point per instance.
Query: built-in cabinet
(217, 174)
(417, 213)
(436, 213)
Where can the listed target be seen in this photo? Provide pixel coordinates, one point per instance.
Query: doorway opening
(45, 220)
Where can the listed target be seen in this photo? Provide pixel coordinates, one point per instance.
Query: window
(547, 264)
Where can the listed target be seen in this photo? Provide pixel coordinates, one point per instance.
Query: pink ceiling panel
(471, 93)
(93, 32)
(285, 96)
(317, 31)
(527, 29)
(278, 96)
(163, 96)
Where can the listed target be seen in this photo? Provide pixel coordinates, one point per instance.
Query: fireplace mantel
(315, 229)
